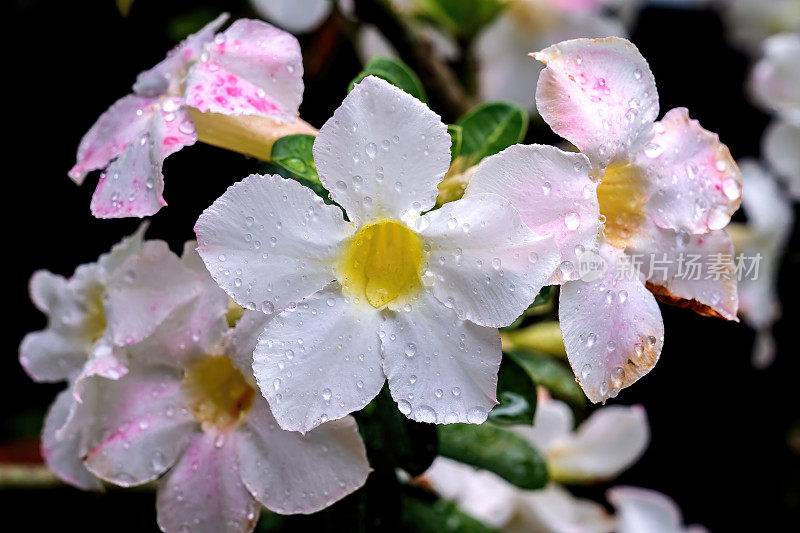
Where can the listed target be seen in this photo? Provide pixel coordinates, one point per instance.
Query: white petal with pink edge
(141, 426)
(441, 369)
(252, 68)
(487, 265)
(205, 490)
(132, 185)
(292, 473)
(269, 242)
(145, 289)
(696, 185)
(119, 126)
(612, 328)
(319, 361)
(383, 153)
(599, 94)
(687, 270)
(552, 192)
(62, 452)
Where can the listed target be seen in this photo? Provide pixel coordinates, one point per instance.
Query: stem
(25, 476)
(417, 51)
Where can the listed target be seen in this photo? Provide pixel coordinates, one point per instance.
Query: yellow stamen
(622, 195)
(382, 263)
(220, 395)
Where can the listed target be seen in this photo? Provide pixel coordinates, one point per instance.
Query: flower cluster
(228, 374)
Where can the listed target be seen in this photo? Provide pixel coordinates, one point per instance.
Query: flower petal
(599, 94)
(666, 256)
(779, 145)
(50, 355)
(606, 444)
(320, 361)
(770, 218)
(119, 126)
(552, 424)
(252, 68)
(775, 79)
(696, 183)
(167, 76)
(62, 453)
(646, 510)
(612, 328)
(145, 290)
(133, 184)
(487, 265)
(142, 425)
(505, 73)
(555, 509)
(296, 16)
(293, 473)
(441, 369)
(243, 339)
(553, 193)
(270, 242)
(383, 153)
(120, 252)
(480, 493)
(205, 487)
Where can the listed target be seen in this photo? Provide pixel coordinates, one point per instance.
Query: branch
(440, 81)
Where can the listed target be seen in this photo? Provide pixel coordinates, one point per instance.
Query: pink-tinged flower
(117, 301)
(761, 242)
(389, 294)
(188, 410)
(665, 190)
(607, 443)
(504, 70)
(251, 68)
(775, 85)
(296, 16)
(640, 510)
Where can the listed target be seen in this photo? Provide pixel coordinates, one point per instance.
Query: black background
(720, 429)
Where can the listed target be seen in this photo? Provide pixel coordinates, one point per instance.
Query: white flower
(115, 302)
(389, 294)
(750, 22)
(775, 85)
(607, 443)
(770, 219)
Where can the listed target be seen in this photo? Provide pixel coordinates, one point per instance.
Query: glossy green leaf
(293, 153)
(456, 136)
(423, 513)
(395, 72)
(491, 128)
(491, 448)
(552, 374)
(462, 18)
(516, 392)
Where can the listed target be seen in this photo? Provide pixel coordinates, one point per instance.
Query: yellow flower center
(219, 393)
(622, 195)
(382, 263)
(95, 313)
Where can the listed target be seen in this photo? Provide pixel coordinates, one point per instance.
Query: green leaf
(462, 18)
(500, 451)
(516, 392)
(491, 128)
(437, 516)
(456, 136)
(395, 72)
(394, 441)
(293, 153)
(552, 374)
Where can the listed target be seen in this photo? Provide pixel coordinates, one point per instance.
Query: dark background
(724, 436)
